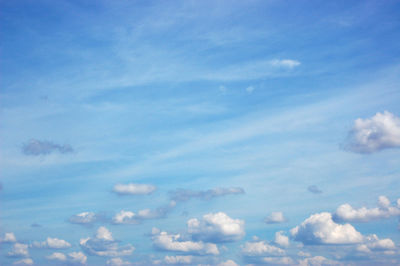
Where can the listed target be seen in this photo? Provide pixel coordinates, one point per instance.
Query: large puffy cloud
(77, 257)
(169, 242)
(321, 229)
(216, 227)
(83, 218)
(134, 189)
(260, 248)
(118, 262)
(19, 250)
(53, 243)
(37, 147)
(187, 194)
(103, 244)
(376, 133)
(8, 238)
(346, 212)
(275, 217)
(57, 256)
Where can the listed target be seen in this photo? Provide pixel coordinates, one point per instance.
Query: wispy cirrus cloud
(133, 189)
(187, 194)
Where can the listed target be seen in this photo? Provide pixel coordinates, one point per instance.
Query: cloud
(37, 147)
(228, 263)
(373, 243)
(278, 260)
(317, 261)
(314, 189)
(178, 259)
(57, 256)
(170, 242)
(281, 239)
(133, 189)
(77, 257)
(128, 217)
(275, 217)
(285, 63)
(346, 212)
(117, 262)
(321, 229)
(216, 227)
(27, 261)
(53, 243)
(8, 238)
(19, 250)
(260, 248)
(103, 244)
(187, 194)
(382, 131)
(83, 218)
(250, 89)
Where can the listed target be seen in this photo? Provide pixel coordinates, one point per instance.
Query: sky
(199, 132)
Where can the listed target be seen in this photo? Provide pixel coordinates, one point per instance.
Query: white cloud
(216, 227)
(53, 243)
(170, 242)
(178, 259)
(275, 217)
(83, 218)
(103, 244)
(321, 229)
(317, 261)
(117, 262)
(57, 256)
(261, 248)
(372, 242)
(125, 217)
(228, 263)
(19, 250)
(303, 254)
(8, 238)
(278, 260)
(128, 217)
(281, 239)
(379, 132)
(346, 212)
(286, 63)
(77, 257)
(134, 189)
(27, 261)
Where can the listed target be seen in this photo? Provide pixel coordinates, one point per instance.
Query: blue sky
(200, 133)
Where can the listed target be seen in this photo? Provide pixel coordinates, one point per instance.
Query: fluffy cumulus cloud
(228, 263)
(118, 262)
(53, 243)
(26, 261)
(261, 248)
(346, 212)
(373, 243)
(83, 218)
(57, 256)
(373, 134)
(19, 250)
(170, 242)
(216, 227)
(178, 259)
(77, 257)
(37, 147)
(187, 194)
(103, 244)
(281, 239)
(133, 189)
(278, 261)
(275, 218)
(321, 229)
(8, 238)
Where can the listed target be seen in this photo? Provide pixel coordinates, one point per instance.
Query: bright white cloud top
(134, 189)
